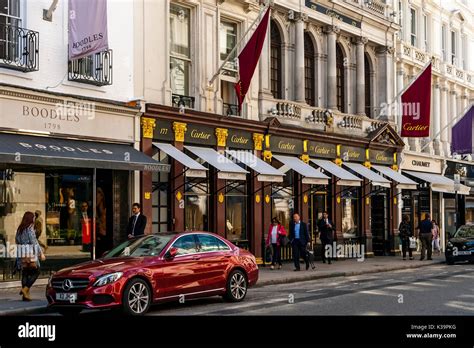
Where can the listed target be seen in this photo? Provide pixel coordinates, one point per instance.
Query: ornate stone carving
(148, 125)
(360, 40)
(179, 130)
(332, 29)
(257, 141)
(221, 134)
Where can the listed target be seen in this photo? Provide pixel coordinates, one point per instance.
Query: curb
(25, 311)
(339, 274)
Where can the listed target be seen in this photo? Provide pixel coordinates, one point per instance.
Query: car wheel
(236, 286)
(69, 312)
(136, 297)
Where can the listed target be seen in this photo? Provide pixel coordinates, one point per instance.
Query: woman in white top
(435, 232)
(275, 233)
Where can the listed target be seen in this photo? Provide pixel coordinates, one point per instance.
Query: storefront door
(380, 223)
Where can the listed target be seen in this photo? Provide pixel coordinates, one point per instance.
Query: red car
(155, 268)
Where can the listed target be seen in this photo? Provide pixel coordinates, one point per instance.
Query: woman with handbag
(275, 238)
(405, 235)
(435, 232)
(29, 254)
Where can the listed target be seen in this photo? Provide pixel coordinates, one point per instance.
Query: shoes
(26, 294)
(279, 267)
(329, 262)
(272, 267)
(296, 270)
(412, 258)
(307, 266)
(422, 259)
(430, 259)
(324, 261)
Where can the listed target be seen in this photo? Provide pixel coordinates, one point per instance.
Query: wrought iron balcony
(231, 109)
(19, 48)
(95, 69)
(179, 100)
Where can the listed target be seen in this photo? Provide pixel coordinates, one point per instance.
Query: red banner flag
(416, 101)
(249, 57)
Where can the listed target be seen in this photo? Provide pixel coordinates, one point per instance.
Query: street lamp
(457, 186)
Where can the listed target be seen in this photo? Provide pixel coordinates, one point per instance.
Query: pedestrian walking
(275, 239)
(300, 240)
(436, 233)
(405, 234)
(326, 234)
(29, 254)
(426, 237)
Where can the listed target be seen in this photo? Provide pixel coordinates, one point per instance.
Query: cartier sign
(320, 150)
(381, 157)
(421, 164)
(353, 154)
(286, 145)
(197, 134)
(239, 139)
(56, 115)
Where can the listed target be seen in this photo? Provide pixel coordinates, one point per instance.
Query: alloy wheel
(238, 285)
(138, 298)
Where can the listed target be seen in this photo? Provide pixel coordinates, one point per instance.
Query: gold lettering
(239, 140)
(417, 127)
(286, 146)
(200, 135)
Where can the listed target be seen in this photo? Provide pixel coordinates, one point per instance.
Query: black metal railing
(95, 69)
(179, 100)
(19, 48)
(231, 109)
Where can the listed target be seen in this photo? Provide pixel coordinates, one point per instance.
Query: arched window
(309, 89)
(368, 87)
(275, 61)
(340, 78)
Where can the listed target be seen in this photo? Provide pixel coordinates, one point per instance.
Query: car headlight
(108, 278)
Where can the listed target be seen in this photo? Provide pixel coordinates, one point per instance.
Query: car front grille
(70, 284)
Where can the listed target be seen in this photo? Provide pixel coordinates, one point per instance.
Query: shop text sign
(239, 139)
(421, 164)
(79, 118)
(352, 154)
(163, 131)
(320, 150)
(197, 134)
(381, 157)
(331, 13)
(286, 145)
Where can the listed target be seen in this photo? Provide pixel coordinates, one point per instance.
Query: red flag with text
(416, 101)
(249, 57)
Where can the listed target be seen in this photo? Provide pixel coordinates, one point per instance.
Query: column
(400, 85)
(258, 227)
(331, 32)
(384, 79)
(436, 119)
(444, 119)
(177, 181)
(360, 73)
(218, 214)
(453, 113)
(299, 60)
(146, 187)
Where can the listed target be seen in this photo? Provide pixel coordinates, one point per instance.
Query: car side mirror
(170, 254)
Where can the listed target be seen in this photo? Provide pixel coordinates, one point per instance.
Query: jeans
(29, 276)
(276, 256)
(405, 247)
(426, 244)
(299, 250)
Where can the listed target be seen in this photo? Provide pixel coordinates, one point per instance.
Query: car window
(208, 243)
(185, 245)
(465, 231)
(146, 246)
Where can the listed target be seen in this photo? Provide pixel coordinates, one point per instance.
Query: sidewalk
(11, 304)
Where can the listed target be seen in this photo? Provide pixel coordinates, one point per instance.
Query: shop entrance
(318, 205)
(380, 223)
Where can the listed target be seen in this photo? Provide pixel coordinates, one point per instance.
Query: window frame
(454, 48)
(309, 71)
(276, 52)
(413, 28)
(444, 41)
(230, 69)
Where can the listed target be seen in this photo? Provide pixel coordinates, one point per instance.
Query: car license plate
(72, 297)
(465, 252)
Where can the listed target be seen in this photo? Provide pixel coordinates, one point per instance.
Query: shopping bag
(413, 243)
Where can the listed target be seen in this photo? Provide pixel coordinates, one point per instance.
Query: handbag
(29, 263)
(412, 243)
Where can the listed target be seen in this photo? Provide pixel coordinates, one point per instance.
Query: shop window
(340, 78)
(309, 81)
(283, 201)
(275, 61)
(229, 99)
(160, 196)
(180, 51)
(350, 213)
(236, 211)
(469, 210)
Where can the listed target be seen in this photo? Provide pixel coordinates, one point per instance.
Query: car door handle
(196, 257)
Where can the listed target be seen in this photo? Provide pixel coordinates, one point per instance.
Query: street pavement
(313, 291)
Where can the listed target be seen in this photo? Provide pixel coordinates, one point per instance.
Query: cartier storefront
(60, 159)
(231, 176)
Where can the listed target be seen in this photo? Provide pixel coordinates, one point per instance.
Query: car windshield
(466, 231)
(146, 246)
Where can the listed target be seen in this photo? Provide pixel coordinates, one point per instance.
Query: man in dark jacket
(136, 223)
(426, 237)
(326, 234)
(299, 238)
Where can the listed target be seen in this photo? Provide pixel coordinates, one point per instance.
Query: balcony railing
(179, 100)
(19, 48)
(230, 109)
(95, 69)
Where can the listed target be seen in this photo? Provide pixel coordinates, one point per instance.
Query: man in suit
(299, 239)
(426, 236)
(326, 234)
(137, 222)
